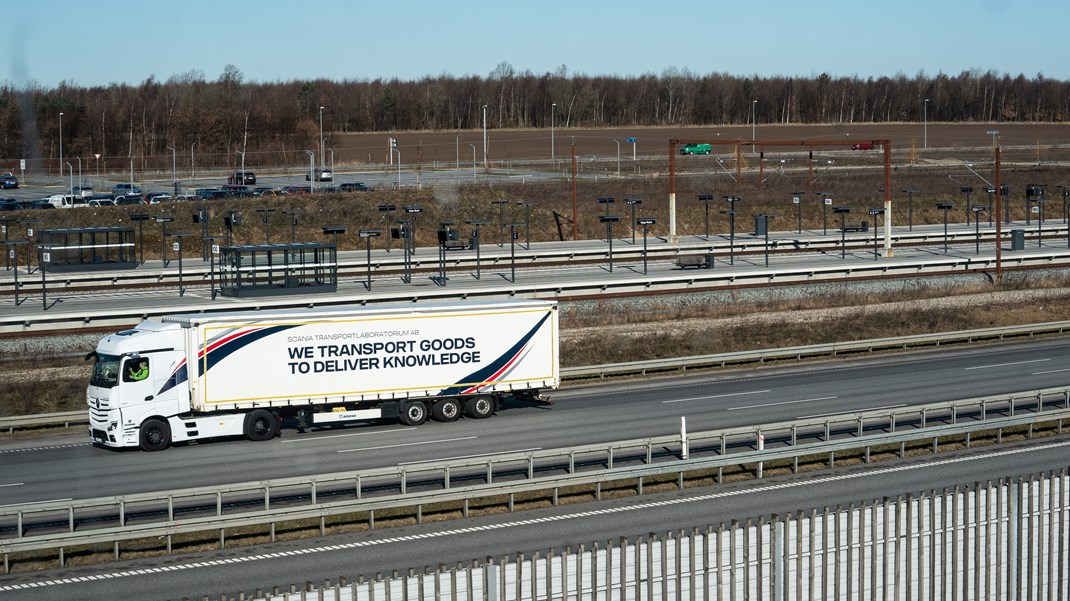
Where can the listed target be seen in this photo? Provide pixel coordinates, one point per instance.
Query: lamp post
(925, 135)
(484, 136)
(311, 171)
(475, 239)
(474, 174)
(331, 150)
(140, 218)
(977, 210)
(294, 214)
(706, 198)
(443, 238)
(631, 202)
(230, 221)
(617, 142)
(527, 204)
(826, 202)
(70, 173)
(61, 145)
(945, 206)
(731, 212)
(163, 220)
(386, 210)
(178, 247)
(512, 251)
(910, 207)
(753, 121)
(646, 222)
(875, 214)
(967, 190)
(501, 220)
(842, 212)
(81, 182)
(553, 108)
(768, 217)
(174, 169)
(368, 235)
(192, 165)
(265, 216)
(412, 211)
(321, 137)
(609, 220)
(796, 199)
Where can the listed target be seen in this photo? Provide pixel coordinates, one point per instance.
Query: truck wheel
(155, 435)
(479, 407)
(413, 413)
(446, 410)
(260, 425)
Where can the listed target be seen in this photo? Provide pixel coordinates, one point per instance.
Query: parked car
(297, 190)
(8, 180)
(44, 203)
(242, 177)
(132, 199)
(126, 189)
(156, 197)
(101, 202)
(9, 204)
(354, 187)
(695, 149)
(82, 191)
(265, 191)
(323, 174)
(862, 147)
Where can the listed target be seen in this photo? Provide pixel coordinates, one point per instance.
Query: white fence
(1002, 540)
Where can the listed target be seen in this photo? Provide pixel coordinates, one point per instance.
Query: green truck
(695, 149)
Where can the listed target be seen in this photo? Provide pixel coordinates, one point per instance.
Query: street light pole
(617, 142)
(753, 120)
(484, 136)
(61, 145)
(925, 136)
(192, 167)
(321, 136)
(174, 169)
(553, 108)
(311, 171)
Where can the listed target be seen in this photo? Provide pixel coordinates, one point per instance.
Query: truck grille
(98, 409)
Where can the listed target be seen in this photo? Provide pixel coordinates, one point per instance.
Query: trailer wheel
(260, 425)
(155, 435)
(479, 407)
(446, 410)
(413, 413)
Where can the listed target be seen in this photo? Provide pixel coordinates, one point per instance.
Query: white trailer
(191, 377)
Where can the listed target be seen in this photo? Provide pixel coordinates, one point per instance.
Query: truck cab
(133, 384)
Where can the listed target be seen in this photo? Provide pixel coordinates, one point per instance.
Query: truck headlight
(113, 426)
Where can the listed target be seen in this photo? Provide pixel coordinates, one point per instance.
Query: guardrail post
(860, 427)
(358, 486)
(1040, 402)
(761, 447)
(795, 459)
(683, 438)
(490, 474)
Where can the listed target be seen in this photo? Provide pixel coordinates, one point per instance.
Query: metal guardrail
(66, 418)
(510, 474)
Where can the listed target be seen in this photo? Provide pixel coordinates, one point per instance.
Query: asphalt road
(66, 467)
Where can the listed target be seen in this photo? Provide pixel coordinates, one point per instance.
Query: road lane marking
(1006, 364)
(639, 507)
(851, 412)
(438, 459)
(406, 444)
(333, 436)
(36, 502)
(12, 484)
(1050, 371)
(823, 398)
(715, 396)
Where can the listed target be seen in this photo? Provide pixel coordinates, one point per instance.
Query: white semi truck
(192, 377)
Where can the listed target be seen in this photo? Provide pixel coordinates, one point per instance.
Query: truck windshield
(105, 371)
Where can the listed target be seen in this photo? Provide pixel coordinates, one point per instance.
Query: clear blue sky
(97, 42)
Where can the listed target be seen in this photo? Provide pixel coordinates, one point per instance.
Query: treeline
(217, 118)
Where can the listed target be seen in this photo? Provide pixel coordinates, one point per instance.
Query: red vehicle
(865, 146)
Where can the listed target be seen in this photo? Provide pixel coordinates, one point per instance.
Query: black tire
(261, 425)
(480, 407)
(155, 435)
(446, 410)
(707, 152)
(413, 413)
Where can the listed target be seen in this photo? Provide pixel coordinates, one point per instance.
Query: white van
(67, 201)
